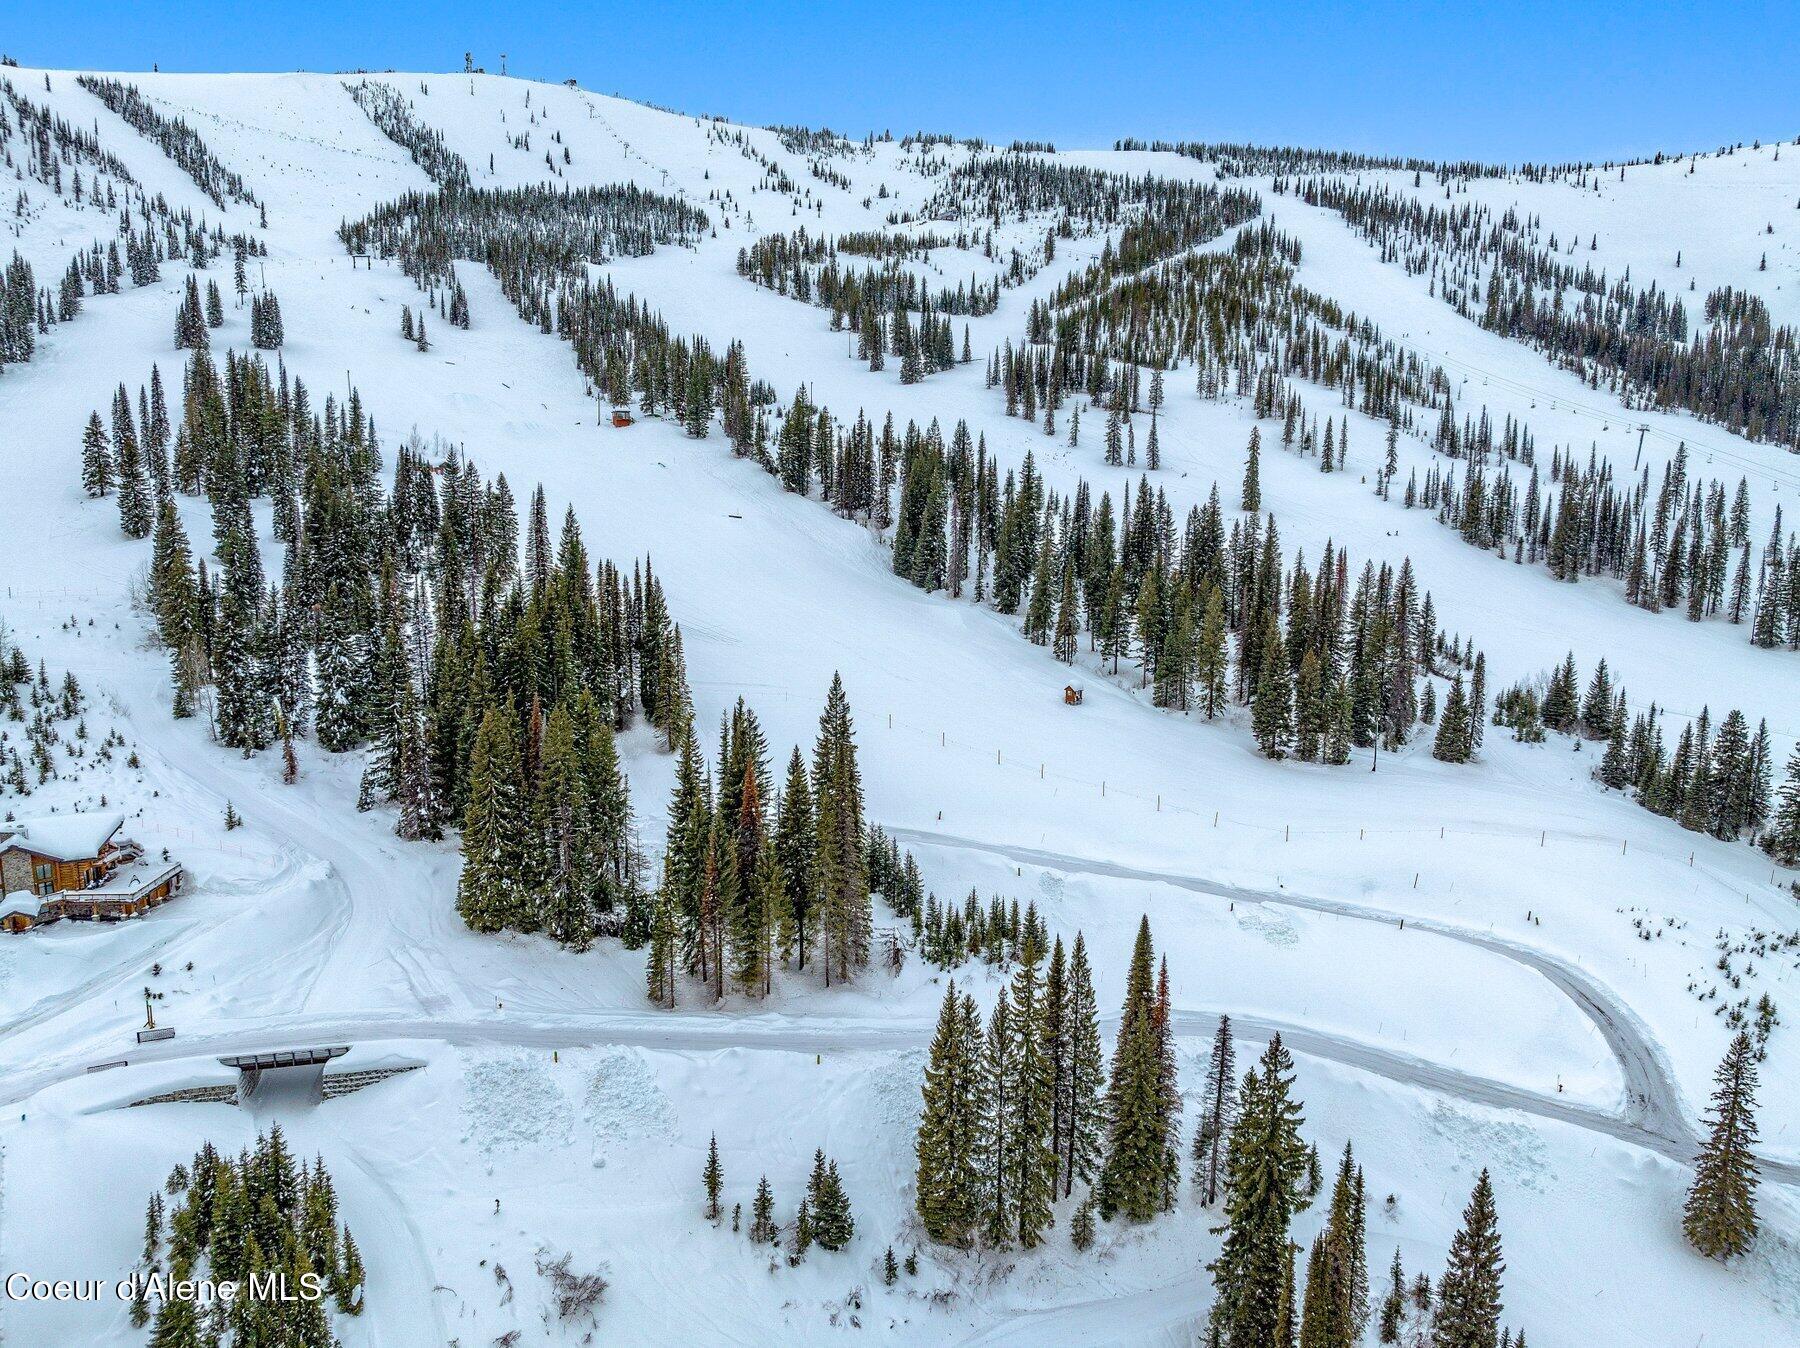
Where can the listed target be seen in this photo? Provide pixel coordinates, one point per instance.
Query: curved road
(1653, 1116)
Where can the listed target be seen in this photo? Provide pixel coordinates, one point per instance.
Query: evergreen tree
(1720, 1217)
(832, 1223)
(1218, 1111)
(1468, 1310)
(948, 1179)
(712, 1178)
(96, 458)
(1265, 1170)
(488, 896)
(1084, 1126)
(843, 888)
(1135, 1176)
(1030, 1098)
(762, 1214)
(1451, 744)
(1782, 841)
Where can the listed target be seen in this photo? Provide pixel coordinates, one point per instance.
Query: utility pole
(1640, 449)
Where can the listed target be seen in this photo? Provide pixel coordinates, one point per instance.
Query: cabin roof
(62, 837)
(21, 902)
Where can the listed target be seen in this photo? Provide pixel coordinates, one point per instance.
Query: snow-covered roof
(21, 902)
(66, 837)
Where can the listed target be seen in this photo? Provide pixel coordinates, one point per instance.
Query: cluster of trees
(823, 1217)
(875, 303)
(1211, 617)
(192, 320)
(998, 935)
(806, 267)
(756, 878)
(174, 137)
(45, 709)
(532, 234)
(264, 1222)
(404, 621)
(1238, 316)
(1714, 781)
(1014, 1114)
(24, 312)
(1081, 200)
(133, 458)
(155, 233)
(1500, 270)
(1234, 159)
(266, 332)
(50, 143)
(1017, 1115)
(1672, 548)
(392, 115)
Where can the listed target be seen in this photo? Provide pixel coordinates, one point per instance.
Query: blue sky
(1494, 81)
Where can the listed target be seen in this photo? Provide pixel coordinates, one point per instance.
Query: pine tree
(796, 850)
(1251, 501)
(1468, 1312)
(995, 1143)
(665, 950)
(1450, 745)
(1218, 1111)
(1265, 1170)
(1393, 1305)
(1272, 710)
(96, 458)
(1030, 1100)
(1782, 841)
(832, 1223)
(488, 897)
(1083, 1132)
(712, 1179)
(803, 1233)
(762, 1214)
(948, 1180)
(1135, 1176)
(1720, 1217)
(843, 887)
(134, 490)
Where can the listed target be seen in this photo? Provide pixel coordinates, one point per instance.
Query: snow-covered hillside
(1496, 965)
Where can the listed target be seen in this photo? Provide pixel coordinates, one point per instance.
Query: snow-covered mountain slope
(1496, 965)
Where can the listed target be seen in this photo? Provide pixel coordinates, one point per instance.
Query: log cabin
(77, 866)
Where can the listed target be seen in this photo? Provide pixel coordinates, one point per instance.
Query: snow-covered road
(838, 1034)
(1652, 1116)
